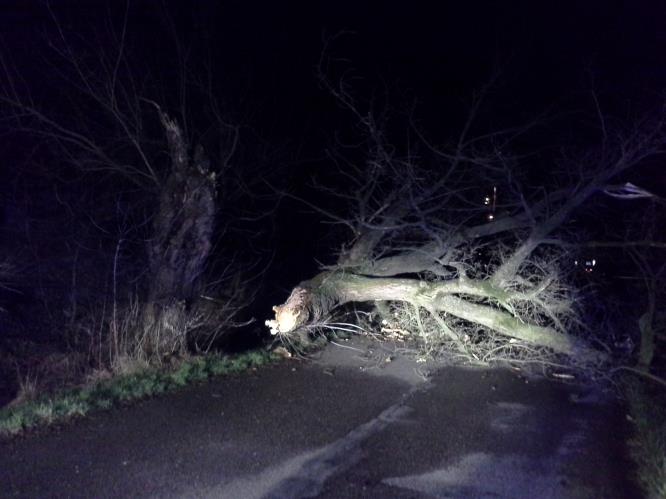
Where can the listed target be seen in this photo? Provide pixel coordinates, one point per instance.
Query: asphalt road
(359, 422)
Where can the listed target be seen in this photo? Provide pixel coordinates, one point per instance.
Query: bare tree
(110, 121)
(639, 253)
(455, 246)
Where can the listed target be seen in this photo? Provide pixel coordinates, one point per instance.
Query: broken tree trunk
(314, 299)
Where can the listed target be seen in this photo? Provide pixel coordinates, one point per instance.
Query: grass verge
(105, 394)
(648, 444)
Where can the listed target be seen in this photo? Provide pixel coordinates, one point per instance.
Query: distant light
(491, 217)
(594, 262)
(575, 262)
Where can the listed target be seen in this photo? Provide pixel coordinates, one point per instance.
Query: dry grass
(124, 338)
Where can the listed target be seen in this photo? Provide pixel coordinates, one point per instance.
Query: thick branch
(427, 257)
(328, 290)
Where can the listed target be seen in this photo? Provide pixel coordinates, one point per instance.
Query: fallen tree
(456, 246)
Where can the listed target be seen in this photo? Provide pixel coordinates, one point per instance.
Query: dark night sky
(264, 56)
(265, 53)
(437, 54)
(433, 49)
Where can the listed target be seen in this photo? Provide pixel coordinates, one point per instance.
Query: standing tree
(637, 251)
(106, 119)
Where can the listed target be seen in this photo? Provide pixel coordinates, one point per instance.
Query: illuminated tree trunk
(314, 299)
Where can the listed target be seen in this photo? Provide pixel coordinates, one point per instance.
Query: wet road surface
(361, 421)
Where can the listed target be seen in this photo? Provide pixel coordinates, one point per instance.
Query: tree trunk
(646, 326)
(180, 244)
(313, 299)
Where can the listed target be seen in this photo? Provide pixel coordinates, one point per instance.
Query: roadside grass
(107, 393)
(648, 444)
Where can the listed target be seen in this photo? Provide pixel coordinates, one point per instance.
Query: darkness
(263, 59)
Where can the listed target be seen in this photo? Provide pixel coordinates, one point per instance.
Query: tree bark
(183, 224)
(180, 244)
(315, 298)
